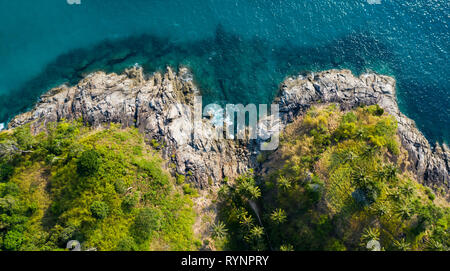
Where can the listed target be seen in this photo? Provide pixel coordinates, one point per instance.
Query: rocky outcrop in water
(133, 99)
(152, 104)
(298, 93)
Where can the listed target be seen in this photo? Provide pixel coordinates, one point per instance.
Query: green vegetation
(103, 187)
(337, 182)
(241, 222)
(88, 163)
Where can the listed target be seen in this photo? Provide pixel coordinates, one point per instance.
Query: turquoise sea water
(239, 50)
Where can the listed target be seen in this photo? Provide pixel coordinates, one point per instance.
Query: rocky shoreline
(297, 94)
(151, 103)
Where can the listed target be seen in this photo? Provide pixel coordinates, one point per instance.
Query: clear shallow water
(239, 50)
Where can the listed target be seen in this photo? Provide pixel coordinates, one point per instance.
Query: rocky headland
(151, 103)
(297, 94)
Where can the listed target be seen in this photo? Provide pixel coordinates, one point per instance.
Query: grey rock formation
(298, 93)
(152, 104)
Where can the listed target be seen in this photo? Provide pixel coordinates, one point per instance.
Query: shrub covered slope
(338, 181)
(105, 188)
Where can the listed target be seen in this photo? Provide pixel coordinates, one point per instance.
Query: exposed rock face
(153, 105)
(148, 103)
(342, 87)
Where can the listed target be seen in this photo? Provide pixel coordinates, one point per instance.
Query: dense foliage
(103, 187)
(339, 181)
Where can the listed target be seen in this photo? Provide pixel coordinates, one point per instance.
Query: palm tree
(247, 221)
(380, 175)
(434, 245)
(370, 234)
(243, 187)
(286, 247)
(382, 209)
(348, 157)
(363, 181)
(248, 189)
(396, 196)
(254, 192)
(219, 230)
(369, 151)
(359, 178)
(407, 190)
(403, 211)
(390, 172)
(278, 216)
(256, 232)
(284, 183)
(402, 245)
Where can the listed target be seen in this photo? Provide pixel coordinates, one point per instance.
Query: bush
(189, 190)
(346, 130)
(24, 138)
(155, 144)
(99, 209)
(375, 110)
(130, 201)
(393, 147)
(430, 193)
(10, 188)
(6, 171)
(145, 223)
(120, 186)
(88, 163)
(180, 179)
(127, 244)
(314, 189)
(67, 234)
(13, 240)
(335, 245)
(325, 192)
(349, 117)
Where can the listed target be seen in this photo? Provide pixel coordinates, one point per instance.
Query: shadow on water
(227, 67)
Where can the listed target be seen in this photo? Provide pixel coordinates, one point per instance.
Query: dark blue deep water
(239, 50)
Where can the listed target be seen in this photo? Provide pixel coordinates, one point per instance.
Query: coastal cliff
(297, 94)
(152, 105)
(146, 102)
